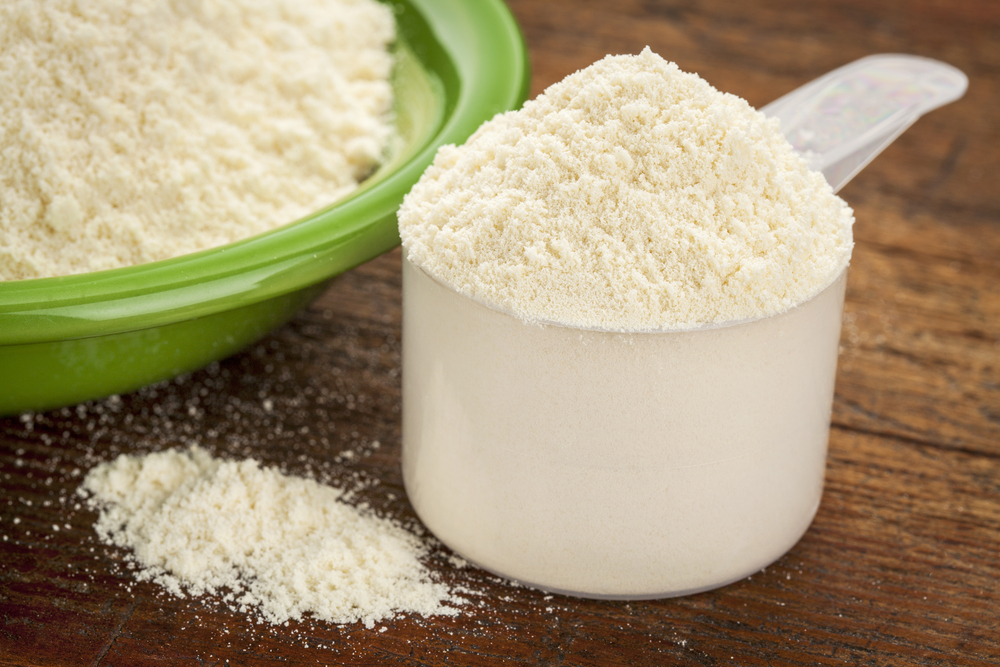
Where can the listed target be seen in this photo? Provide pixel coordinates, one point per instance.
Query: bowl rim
(473, 52)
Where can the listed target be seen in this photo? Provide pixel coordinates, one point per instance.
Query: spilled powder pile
(630, 196)
(285, 545)
(137, 130)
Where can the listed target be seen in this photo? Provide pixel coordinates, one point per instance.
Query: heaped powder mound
(279, 544)
(630, 196)
(138, 130)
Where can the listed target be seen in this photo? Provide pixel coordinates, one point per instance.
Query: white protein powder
(629, 196)
(282, 544)
(137, 130)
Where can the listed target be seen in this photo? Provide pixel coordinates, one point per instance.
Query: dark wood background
(902, 565)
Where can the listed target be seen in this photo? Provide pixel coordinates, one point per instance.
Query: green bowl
(73, 338)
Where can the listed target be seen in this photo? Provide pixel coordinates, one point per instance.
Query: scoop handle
(842, 120)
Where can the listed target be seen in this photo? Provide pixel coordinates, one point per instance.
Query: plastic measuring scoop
(842, 120)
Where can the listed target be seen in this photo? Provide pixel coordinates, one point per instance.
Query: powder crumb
(458, 562)
(137, 130)
(280, 544)
(630, 196)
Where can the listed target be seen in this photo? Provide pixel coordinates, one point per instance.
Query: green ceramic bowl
(68, 339)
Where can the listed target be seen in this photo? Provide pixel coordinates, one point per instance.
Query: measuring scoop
(646, 464)
(842, 120)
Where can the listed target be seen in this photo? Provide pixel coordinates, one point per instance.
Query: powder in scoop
(137, 130)
(285, 545)
(630, 196)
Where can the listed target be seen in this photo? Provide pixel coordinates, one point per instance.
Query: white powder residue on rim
(138, 130)
(630, 196)
(285, 545)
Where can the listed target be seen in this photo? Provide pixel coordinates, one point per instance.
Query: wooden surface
(902, 565)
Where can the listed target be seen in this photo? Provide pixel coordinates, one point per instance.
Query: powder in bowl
(138, 130)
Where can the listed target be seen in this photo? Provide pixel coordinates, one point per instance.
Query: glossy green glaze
(73, 338)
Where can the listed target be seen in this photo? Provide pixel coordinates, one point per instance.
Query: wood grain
(902, 565)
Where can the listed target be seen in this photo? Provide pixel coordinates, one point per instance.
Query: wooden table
(902, 565)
